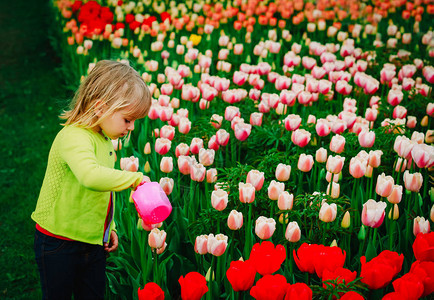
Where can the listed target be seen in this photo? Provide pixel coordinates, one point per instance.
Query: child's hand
(113, 244)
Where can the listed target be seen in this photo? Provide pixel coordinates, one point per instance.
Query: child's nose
(131, 126)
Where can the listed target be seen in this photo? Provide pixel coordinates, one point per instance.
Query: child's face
(117, 125)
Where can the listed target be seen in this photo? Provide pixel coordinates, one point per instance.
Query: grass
(32, 93)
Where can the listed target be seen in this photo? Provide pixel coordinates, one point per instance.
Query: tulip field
(293, 139)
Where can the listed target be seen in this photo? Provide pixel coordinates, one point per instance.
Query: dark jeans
(70, 267)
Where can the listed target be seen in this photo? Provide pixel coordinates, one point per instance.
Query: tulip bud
(396, 195)
(217, 244)
(431, 215)
(282, 172)
(346, 220)
(211, 175)
(246, 192)
(413, 182)
(395, 211)
(147, 167)
(147, 149)
(424, 122)
(167, 184)
(362, 233)
(129, 163)
(334, 243)
(321, 155)
(255, 178)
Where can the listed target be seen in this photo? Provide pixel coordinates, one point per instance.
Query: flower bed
(292, 137)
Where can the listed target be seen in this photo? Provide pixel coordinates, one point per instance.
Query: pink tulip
(235, 220)
(337, 144)
(242, 131)
(256, 119)
(384, 185)
(394, 97)
(374, 159)
(312, 85)
(308, 62)
(166, 184)
(324, 86)
(197, 172)
(195, 145)
(318, 72)
(265, 227)
(216, 121)
(423, 155)
(164, 100)
(371, 114)
(211, 175)
(184, 125)
(292, 122)
(206, 157)
(167, 132)
(428, 73)
(333, 189)
(304, 97)
(396, 195)
(305, 162)
(201, 244)
(182, 149)
(321, 155)
(293, 232)
(275, 189)
(156, 238)
(300, 137)
(411, 122)
(174, 121)
(154, 111)
(335, 164)
(322, 127)
(231, 112)
(222, 137)
(420, 225)
(358, 167)
(184, 163)
(311, 119)
(166, 164)
(217, 244)
(373, 213)
(282, 172)
(408, 84)
(282, 83)
(343, 87)
(349, 118)
(246, 192)
(399, 112)
(219, 199)
(328, 212)
(162, 145)
(413, 182)
(338, 126)
(239, 78)
(288, 97)
(366, 138)
(285, 201)
(130, 164)
(165, 113)
(208, 92)
(212, 143)
(255, 178)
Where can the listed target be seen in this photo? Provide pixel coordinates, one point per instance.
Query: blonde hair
(115, 84)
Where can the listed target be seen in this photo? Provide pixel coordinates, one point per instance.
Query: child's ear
(99, 108)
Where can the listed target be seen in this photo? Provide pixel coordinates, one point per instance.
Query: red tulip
(340, 274)
(423, 247)
(352, 296)
(328, 258)
(409, 285)
(303, 257)
(298, 291)
(425, 271)
(241, 275)
(266, 258)
(394, 296)
(270, 287)
(378, 272)
(151, 291)
(193, 286)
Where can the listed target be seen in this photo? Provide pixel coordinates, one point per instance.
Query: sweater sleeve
(78, 151)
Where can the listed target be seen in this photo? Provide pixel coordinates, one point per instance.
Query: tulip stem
(155, 267)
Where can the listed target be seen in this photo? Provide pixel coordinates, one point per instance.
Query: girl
(74, 212)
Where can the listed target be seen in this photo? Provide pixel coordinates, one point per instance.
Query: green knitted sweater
(80, 176)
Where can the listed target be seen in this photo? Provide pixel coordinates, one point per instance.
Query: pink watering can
(152, 203)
